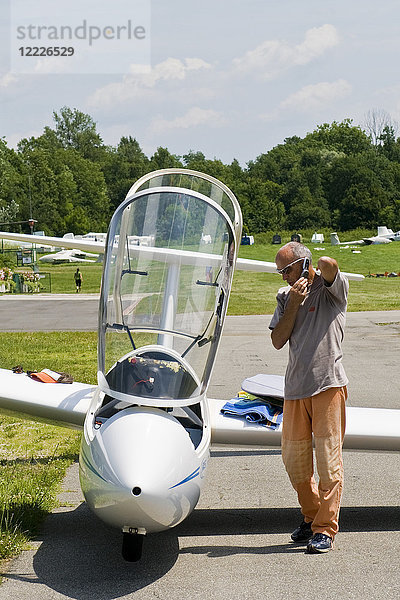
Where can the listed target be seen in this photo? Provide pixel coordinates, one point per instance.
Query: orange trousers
(323, 415)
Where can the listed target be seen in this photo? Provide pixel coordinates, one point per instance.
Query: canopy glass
(168, 269)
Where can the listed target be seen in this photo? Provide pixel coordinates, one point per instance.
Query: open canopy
(170, 254)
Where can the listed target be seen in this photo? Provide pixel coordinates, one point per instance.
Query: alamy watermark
(80, 36)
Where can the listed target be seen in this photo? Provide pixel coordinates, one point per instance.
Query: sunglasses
(286, 269)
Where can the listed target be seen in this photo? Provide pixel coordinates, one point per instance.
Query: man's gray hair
(298, 250)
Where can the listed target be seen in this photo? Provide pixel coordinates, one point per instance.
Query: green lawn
(362, 259)
(62, 277)
(254, 293)
(35, 456)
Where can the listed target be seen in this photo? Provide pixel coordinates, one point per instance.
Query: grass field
(34, 457)
(254, 293)
(355, 259)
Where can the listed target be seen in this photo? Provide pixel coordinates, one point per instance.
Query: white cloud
(312, 97)
(194, 117)
(317, 40)
(173, 68)
(49, 67)
(14, 138)
(7, 79)
(138, 83)
(273, 56)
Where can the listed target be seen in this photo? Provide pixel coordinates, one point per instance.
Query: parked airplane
(388, 233)
(68, 256)
(377, 239)
(148, 424)
(138, 240)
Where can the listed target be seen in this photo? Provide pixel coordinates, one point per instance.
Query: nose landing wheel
(132, 545)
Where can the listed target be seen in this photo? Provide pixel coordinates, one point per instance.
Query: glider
(376, 239)
(148, 424)
(68, 256)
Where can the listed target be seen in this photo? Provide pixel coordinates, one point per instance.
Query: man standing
(310, 314)
(78, 279)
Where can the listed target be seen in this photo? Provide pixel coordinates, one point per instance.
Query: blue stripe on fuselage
(188, 478)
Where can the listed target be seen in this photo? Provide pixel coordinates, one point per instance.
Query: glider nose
(145, 457)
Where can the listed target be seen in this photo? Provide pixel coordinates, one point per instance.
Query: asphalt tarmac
(236, 543)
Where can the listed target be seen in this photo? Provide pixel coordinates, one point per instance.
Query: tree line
(338, 176)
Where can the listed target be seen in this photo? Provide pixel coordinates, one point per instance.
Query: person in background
(310, 315)
(78, 280)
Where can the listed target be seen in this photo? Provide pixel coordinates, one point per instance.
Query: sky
(229, 78)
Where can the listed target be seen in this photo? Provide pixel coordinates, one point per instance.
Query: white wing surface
(185, 257)
(60, 403)
(375, 429)
(45, 240)
(366, 428)
(66, 404)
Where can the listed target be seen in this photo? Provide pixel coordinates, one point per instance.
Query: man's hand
(298, 291)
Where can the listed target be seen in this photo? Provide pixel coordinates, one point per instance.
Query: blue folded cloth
(253, 410)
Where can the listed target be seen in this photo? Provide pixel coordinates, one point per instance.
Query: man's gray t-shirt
(315, 344)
